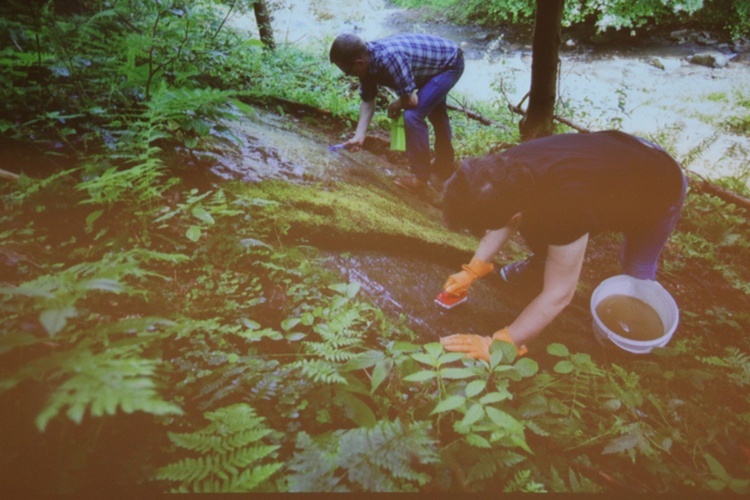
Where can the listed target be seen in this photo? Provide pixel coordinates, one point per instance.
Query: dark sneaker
(524, 272)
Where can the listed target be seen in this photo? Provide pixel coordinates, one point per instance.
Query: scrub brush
(449, 301)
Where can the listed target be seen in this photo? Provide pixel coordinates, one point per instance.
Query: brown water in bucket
(630, 317)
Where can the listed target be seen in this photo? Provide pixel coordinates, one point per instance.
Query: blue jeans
(432, 106)
(641, 250)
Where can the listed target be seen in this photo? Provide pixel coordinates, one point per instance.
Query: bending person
(421, 69)
(557, 191)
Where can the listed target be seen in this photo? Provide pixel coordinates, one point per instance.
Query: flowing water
(614, 87)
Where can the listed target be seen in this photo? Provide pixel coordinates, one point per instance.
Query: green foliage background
(732, 16)
(160, 336)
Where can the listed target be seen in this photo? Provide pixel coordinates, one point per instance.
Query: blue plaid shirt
(406, 62)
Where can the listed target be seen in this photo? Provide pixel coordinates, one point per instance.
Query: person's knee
(413, 117)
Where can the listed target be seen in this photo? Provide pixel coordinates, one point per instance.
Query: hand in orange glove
(459, 283)
(478, 346)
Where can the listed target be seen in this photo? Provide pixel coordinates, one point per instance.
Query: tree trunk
(263, 19)
(547, 27)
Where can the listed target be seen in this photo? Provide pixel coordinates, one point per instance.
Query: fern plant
(233, 454)
(106, 381)
(387, 457)
(338, 327)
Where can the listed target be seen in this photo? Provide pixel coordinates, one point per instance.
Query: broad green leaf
(564, 366)
(201, 214)
(717, 469)
(92, 217)
(456, 373)
(380, 372)
(424, 358)
(503, 420)
(557, 349)
(717, 484)
(496, 355)
(55, 320)
(493, 397)
(477, 441)
(421, 376)
(474, 414)
(526, 367)
(295, 336)
(612, 404)
(450, 357)
(193, 233)
(460, 427)
(252, 325)
(405, 347)
(434, 349)
(364, 360)
(348, 289)
(580, 358)
(475, 387)
(448, 404)
(355, 409)
(308, 318)
(289, 323)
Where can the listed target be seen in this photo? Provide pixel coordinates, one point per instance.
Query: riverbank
(648, 88)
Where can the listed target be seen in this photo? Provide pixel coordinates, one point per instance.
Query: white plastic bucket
(650, 292)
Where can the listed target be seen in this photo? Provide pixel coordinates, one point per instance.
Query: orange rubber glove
(478, 346)
(459, 283)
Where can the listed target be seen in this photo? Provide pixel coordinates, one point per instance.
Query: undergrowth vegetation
(158, 336)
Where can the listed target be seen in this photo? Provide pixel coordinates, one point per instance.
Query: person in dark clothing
(556, 191)
(421, 69)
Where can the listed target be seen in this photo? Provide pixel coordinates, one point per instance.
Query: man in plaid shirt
(421, 69)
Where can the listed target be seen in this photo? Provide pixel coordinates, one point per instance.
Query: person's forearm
(561, 271)
(492, 242)
(536, 316)
(366, 112)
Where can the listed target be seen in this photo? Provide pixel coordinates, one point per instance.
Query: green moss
(357, 214)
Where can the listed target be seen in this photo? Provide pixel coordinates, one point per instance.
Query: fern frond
(314, 467)
(736, 361)
(319, 371)
(233, 453)
(105, 382)
(488, 462)
(522, 482)
(380, 458)
(535, 428)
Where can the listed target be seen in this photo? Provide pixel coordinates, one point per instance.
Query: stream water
(684, 105)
